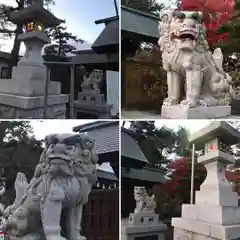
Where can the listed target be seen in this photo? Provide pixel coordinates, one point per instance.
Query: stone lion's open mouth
(185, 36)
(58, 158)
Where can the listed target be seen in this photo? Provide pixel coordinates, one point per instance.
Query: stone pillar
(215, 214)
(144, 223)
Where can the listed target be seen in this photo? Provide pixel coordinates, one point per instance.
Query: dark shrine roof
(35, 12)
(97, 61)
(139, 24)
(106, 135)
(146, 174)
(131, 152)
(106, 175)
(108, 40)
(6, 55)
(130, 148)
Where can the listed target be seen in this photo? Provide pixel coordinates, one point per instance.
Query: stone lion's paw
(188, 104)
(203, 103)
(80, 238)
(169, 101)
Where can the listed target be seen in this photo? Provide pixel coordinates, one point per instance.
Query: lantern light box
(31, 26)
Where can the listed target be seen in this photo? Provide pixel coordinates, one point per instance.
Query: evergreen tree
(61, 37)
(158, 144)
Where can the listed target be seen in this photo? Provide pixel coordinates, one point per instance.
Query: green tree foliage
(15, 130)
(60, 36)
(158, 143)
(19, 152)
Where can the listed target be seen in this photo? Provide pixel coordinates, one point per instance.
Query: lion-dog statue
(62, 181)
(144, 202)
(189, 63)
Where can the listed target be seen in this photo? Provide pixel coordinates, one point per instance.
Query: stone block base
(12, 107)
(145, 232)
(144, 226)
(189, 229)
(144, 218)
(99, 110)
(200, 112)
(28, 88)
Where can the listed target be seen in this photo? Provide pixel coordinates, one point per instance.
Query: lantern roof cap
(35, 12)
(216, 129)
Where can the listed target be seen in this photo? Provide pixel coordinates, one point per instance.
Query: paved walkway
(137, 114)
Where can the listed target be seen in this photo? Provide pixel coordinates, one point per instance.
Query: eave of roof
(100, 61)
(106, 175)
(107, 20)
(147, 174)
(108, 40)
(130, 148)
(94, 125)
(139, 24)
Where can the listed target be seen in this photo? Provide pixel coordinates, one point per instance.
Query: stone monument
(90, 100)
(144, 223)
(62, 181)
(198, 87)
(23, 95)
(215, 214)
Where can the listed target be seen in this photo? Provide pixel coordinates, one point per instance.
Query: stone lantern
(23, 95)
(215, 214)
(35, 20)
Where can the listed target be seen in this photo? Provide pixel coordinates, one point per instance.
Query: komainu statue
(92, 81)
(189, 63)
(62, 181)
(144, 202)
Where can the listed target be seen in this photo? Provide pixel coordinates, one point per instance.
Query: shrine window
(4, 72)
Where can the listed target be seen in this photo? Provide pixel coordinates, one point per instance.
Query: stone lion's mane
(164, 28)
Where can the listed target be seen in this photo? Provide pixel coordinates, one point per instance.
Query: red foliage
(233, 176)
(215, 13)
(180, 177)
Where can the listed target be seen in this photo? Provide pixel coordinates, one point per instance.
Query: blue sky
(80, 16)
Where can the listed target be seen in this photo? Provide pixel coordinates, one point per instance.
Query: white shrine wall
(113, 91)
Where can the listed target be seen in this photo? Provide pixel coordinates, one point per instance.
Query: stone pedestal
(215, 214)
(144, 226)
(200, 112)
(13, 106)
(92, 102)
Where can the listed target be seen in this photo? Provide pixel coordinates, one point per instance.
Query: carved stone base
(178, 112)
(186, 229)
(143, 226)
(13, 106)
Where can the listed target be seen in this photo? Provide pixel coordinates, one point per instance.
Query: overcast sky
(190, 125)
(42, 128)
(80, 16)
